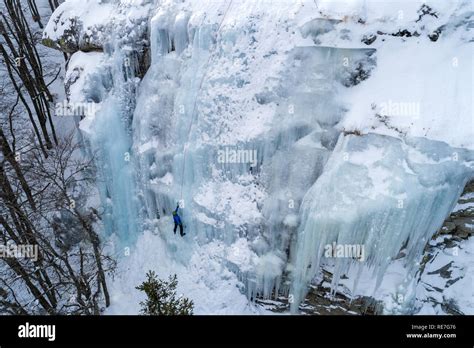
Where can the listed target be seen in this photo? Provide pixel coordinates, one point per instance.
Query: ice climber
(178, 222)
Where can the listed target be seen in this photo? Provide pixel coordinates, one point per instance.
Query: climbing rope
(197, 95)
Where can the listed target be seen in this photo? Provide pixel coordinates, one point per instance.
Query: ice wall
(215, 96)
(111, 142)
(107, 82)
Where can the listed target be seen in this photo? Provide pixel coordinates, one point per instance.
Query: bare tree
(24, 68)
(44, 185)
(53, 4)
(69, 274)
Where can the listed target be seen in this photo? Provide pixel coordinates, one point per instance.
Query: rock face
(445, 280)
(320, 302)
(461, 221)
(89, 27)
(73, 34)
(369, 39)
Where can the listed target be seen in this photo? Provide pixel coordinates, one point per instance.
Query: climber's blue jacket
(176, 218)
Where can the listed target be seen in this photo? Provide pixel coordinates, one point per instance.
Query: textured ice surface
(381, 193)
(287, 122)
(283, 80)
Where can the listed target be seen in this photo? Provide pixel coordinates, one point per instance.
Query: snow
(457, 288)
(167, 179)
(436, 78)
(441, 91)
(81, 66)
(465, 203)
(89, 13)
(237, 201)
(392, 291)
(462, 291)
(201, 277)
(463, 206)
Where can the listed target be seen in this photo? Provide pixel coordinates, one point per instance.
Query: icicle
(379, 193)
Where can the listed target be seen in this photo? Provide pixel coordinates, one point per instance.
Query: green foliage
(161, 297)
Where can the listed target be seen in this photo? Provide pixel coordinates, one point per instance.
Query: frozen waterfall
(260, 119)
(258, 201)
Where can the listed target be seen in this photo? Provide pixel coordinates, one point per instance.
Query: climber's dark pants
(180, 229)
